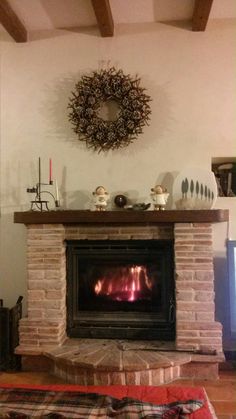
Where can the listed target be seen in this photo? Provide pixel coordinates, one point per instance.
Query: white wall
(191, 79)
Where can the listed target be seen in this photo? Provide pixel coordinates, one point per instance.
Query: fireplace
(120, 289)
(163, 260)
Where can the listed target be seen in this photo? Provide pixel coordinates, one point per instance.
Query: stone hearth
(198, 344)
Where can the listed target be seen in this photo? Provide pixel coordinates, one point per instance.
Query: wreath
(94, 90)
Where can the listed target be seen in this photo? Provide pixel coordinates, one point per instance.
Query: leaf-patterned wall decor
(195, 188)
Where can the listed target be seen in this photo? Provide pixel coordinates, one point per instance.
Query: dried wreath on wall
(101, 87)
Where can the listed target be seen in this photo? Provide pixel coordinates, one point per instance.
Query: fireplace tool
(39, 204)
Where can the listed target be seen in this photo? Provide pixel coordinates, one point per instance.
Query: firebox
(120, 289)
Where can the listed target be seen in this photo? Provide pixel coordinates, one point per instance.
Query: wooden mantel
(126, 216)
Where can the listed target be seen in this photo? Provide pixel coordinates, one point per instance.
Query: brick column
(196, 327)
(46, 266)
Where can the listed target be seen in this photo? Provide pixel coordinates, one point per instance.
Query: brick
(89, 377)
(39, 322)
(201, 236)
(187, 238)
(205, 316)
(53, 294)
(145, 378)
(94, 230)
(185, 345)
(203, 248)
(199, 370)
(54, 314)
(32, 275)
(209, 333)
(204, 296)
(45, 331)
(187, 333)
(199, 326)
(29, 342)
(195, 306)
(194, 285)
(198, 340)
(185, 315)
(32, 336)
(168, 375)
(36, 364)
(119, 237)
(117, 378)
(179, 226)
(184, 295)
(192, 254)
(27, 329)
(53, 274)
(203, 260)
(141, 236)
(130, 379)
(194, 230)
(54, 285)
(36, 295)
(193, 242)
(193, 266)
(95, 237)
(35, 313)
(183, 248)
(184, 275)
(186, 260)
(176, 372)
(202, 225)
(204, 275)
(157, 377)
(45, 304)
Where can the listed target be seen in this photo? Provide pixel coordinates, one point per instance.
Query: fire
(125, 284)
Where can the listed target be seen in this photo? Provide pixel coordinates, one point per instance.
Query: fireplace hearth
(120, 289)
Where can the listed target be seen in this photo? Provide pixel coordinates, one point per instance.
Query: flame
(125, 284)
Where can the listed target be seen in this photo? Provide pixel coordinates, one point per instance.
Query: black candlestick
(39, 204)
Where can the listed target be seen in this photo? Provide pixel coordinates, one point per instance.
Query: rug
(95, 402)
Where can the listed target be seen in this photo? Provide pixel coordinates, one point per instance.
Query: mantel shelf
(120, 217)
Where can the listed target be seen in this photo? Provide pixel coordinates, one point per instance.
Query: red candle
(50, 170)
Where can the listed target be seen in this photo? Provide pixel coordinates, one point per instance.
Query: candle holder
(39, 204)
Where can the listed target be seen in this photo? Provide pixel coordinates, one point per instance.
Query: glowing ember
(125, 284)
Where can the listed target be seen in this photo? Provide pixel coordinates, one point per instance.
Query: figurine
(159, 197)
(101, 197)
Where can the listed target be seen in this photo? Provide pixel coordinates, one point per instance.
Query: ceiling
(20, 17)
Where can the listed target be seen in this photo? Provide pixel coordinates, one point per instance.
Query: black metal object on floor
(9, 336)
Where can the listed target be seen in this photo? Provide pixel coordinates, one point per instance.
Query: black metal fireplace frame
(120, 325)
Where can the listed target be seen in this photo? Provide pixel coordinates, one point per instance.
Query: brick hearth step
(110, 362)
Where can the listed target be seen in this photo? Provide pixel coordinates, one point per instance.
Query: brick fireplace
(43, 332)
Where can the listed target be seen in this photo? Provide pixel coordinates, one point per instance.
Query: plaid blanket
(22, 403)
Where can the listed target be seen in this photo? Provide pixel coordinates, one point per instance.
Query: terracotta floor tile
(226, 417)
(224, 407)
(223, 392)
(227, 375)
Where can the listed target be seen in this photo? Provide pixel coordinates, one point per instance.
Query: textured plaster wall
(191, 79)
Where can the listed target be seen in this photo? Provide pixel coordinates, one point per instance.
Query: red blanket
(137, 402)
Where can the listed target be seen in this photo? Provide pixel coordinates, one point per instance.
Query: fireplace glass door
(120, 289)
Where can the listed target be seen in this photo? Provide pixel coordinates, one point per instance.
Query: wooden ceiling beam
(104, 17)
(11, 22)
(201, 14)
